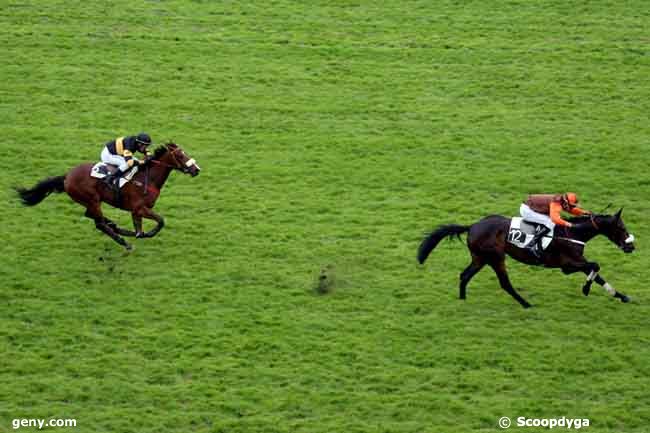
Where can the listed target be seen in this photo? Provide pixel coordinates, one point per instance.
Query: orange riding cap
(571, 199)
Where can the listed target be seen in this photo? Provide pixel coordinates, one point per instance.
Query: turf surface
(332, 135)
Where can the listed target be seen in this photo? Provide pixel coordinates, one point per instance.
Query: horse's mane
(578, 219)
(585, 218)
(161, 150)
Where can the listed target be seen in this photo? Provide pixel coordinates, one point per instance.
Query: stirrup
(536, 250)
(114, 177)
(113, 182)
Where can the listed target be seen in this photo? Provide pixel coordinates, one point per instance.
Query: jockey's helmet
(143, 138)
(569, 200)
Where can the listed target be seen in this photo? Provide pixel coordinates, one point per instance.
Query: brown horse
(488, 244)
(138, 196)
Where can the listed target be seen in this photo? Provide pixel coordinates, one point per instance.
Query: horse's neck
(588, 234)
(158, 174)
(585, 234)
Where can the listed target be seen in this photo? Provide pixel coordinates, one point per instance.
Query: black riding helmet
(143, 138)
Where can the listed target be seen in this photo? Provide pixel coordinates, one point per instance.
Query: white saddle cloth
(522, 232)
(101, 170)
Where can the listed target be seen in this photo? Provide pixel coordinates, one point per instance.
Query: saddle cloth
(522, 232)
(101, 170)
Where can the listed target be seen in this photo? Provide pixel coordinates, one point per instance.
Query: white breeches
(117, 160)
(535, 217)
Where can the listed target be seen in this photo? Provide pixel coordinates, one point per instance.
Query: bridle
(185, 168)
(628, 240)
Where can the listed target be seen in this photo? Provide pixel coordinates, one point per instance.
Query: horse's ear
(618, 214)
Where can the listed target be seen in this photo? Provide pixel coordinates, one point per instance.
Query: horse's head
(173, 156)
(613, 227)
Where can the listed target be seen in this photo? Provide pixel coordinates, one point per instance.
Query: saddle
(522, 232)
(101, 170)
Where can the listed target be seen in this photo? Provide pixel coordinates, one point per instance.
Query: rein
(146, 185)
(572, 240)
(178, 165)
(575, 241)
(146, 180)
(154, 161)
(164, 164)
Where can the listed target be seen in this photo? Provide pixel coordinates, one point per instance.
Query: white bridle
(191, 162)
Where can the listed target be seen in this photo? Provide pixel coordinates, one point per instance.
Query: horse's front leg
(608, 287)
(589, 268)
(149, 214)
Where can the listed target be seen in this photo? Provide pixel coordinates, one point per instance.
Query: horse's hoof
(586, 290)
(526, 305)
(622, 297)
(128, 247)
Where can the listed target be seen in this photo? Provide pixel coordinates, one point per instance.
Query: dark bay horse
(138, 196)
(487, 243)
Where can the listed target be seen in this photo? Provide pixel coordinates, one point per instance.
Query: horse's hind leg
(149, 214)
(469, 272)
(94, 212)
(500, 269)
(120, 231)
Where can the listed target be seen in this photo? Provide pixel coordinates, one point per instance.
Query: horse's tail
(433, 238)
(35, 195)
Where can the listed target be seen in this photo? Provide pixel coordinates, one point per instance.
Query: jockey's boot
(535, 246)
(114, 178)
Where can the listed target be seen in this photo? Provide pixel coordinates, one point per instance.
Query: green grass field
(331, 135)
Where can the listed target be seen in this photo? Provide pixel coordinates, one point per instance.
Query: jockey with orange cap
(546, 209)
